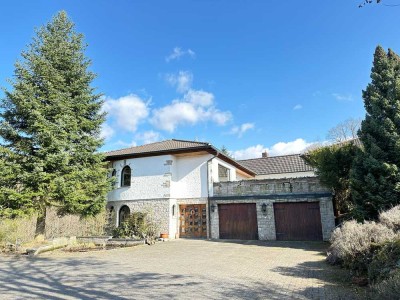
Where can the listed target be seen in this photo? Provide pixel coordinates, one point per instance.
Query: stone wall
(158, 209)
(269, 186)
(270, 191)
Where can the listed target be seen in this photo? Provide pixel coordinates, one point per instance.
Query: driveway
(181, 269)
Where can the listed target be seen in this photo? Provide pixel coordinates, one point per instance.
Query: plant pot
(164, 235)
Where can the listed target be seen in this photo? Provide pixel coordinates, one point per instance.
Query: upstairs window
(126, 176)
(223, 173)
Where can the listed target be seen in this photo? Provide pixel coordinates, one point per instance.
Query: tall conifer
(51, 123)
(375, 179)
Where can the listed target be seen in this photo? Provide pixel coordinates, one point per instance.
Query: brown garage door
(238, 221)
(298, 221)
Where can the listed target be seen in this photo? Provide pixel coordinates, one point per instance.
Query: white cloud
(297, 107)
(127, 112)
(240, 130)
(182, 81)
(177, 53)
(196, 106)
(122, 144)
(281, 148)
(343, 97)
(250, 152)
(106, 131)
(199, 97)
(149, 136)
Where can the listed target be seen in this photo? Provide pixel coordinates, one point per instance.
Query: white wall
(169, 176)
(189, 177)
(151, 178)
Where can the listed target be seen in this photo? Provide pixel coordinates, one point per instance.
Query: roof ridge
(139, 146)
(296, 154)
(179, 140)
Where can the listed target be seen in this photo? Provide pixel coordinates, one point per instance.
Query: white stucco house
(187, 186)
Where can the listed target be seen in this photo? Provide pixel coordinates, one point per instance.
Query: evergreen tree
(51, 128)
(225, 150)
(333, 165)
(375, 178)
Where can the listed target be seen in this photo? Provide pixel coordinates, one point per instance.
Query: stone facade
(158, 209)
(270, 191)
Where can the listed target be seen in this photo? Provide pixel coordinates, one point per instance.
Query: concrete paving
(181, 269)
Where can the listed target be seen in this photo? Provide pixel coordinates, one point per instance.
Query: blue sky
(250, 75)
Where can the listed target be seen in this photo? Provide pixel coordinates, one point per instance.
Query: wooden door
(299, 221)
(238, 221)
(193, 221)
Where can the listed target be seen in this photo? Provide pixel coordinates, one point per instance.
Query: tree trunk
(41, 223)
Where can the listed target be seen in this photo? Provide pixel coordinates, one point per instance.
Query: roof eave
(156, 153)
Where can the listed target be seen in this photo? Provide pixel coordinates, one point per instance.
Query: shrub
(21, 230)
(385, 262)
(75, 225)
(388, 289)
(391, 218)
(137, 225)
(352, 245)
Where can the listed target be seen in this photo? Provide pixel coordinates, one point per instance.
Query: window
(111, 215)
(126, 176)
(173, 210)
(223, 173)
(114, 173)
(123, 214)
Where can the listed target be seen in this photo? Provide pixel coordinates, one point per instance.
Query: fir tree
(375, 179)
(50, 127)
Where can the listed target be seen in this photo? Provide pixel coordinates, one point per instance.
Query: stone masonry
(158, 209)
(270, 191)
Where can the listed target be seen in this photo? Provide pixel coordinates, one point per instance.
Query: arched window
(123, 214)
(126, 176)
(114, 173)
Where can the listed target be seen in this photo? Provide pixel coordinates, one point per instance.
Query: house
(191, 189)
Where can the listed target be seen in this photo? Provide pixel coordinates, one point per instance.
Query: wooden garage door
(238, 221)
(298, 221)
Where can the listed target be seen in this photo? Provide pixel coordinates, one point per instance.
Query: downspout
(208, 194)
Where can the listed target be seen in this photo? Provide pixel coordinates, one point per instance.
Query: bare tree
(344, 131)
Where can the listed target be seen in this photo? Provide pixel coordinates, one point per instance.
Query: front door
(193, 221)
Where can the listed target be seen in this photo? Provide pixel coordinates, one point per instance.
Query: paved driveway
(182, 269)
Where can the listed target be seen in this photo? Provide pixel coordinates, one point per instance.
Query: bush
(137, 225)
(391, 218)
(385, 262)
(353, 244)
(388, 289)
(75, 225)
(19, 230)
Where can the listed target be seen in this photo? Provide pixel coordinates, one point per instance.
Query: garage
(298, 221)
(238, 221)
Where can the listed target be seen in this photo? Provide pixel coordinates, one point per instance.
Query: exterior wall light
(212, 208)
(264, 208)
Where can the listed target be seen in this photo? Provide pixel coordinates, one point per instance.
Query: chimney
(264, 154)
